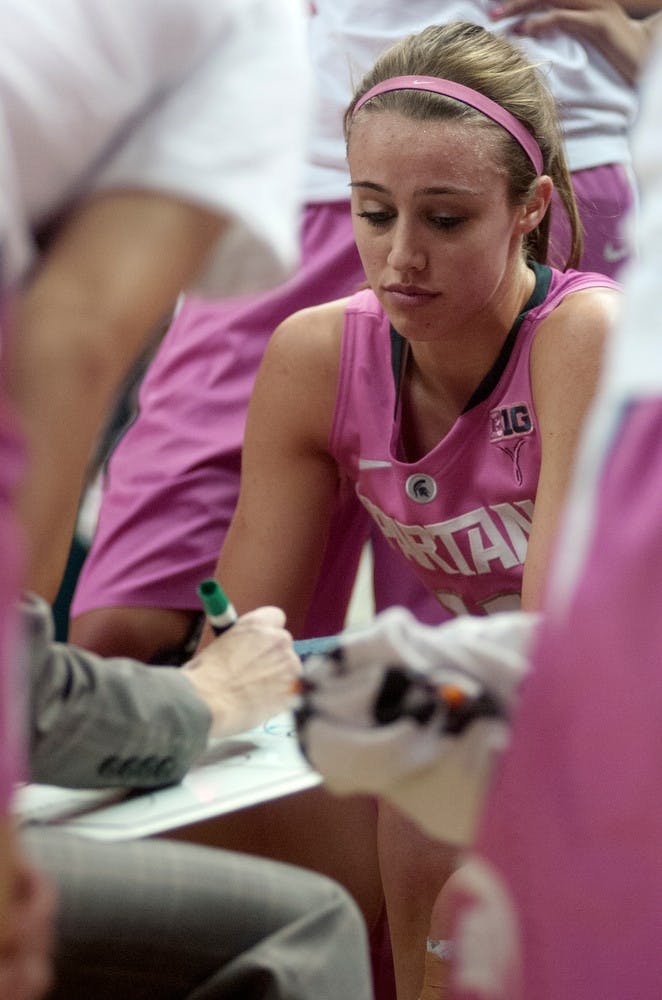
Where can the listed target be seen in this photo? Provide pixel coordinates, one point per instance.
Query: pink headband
(488, 107)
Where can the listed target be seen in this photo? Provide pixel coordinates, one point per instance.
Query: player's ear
(533, 210)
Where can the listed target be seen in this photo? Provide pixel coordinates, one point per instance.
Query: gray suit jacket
(96, 722)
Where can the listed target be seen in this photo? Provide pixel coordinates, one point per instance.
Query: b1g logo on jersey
(510, 421)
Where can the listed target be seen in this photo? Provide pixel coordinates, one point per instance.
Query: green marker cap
(213, 599)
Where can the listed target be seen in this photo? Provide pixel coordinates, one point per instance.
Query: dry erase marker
(218, 609)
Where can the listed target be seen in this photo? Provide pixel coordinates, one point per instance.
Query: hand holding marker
(220, 612)
(247, 674)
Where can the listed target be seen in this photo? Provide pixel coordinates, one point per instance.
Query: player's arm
(274, 547)
(112, 273)
(623, 40)
(565, 366)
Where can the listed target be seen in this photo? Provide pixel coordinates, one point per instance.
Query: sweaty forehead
(390, 144)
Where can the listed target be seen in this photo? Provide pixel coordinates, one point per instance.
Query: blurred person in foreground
(138, 141)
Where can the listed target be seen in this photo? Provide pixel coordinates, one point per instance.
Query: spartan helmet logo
(421, 488)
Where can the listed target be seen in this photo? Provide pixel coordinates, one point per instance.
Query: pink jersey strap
(466, 95)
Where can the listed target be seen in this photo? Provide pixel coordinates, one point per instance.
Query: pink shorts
(605, 196)
(173, 480)
(574, 820)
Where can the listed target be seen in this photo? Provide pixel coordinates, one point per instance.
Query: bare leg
(437, 978)
(413, 870)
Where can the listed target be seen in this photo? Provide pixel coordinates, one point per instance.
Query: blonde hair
(468, 54)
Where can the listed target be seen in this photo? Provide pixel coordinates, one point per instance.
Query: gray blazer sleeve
(96, 722)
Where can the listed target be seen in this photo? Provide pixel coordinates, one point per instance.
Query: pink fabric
(574, 822)
(11, 750)
(11, 717)
(605, 196)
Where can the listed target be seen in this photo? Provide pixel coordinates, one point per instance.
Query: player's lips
(409, 295)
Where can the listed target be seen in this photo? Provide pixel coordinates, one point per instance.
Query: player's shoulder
(582, 316)
(568, 350)
(313, 329)
(305, 347)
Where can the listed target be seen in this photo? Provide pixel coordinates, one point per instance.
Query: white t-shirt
(634, 363)
(596, 105)
(206, 99)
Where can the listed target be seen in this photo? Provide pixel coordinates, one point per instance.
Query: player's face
(437, 234)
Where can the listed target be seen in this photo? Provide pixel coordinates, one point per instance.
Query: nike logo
(612, 253)
(373, 463)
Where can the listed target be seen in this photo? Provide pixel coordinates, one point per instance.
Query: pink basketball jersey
(461, 515)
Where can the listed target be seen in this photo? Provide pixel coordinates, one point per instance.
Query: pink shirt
(569, 893)
(10, 568)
